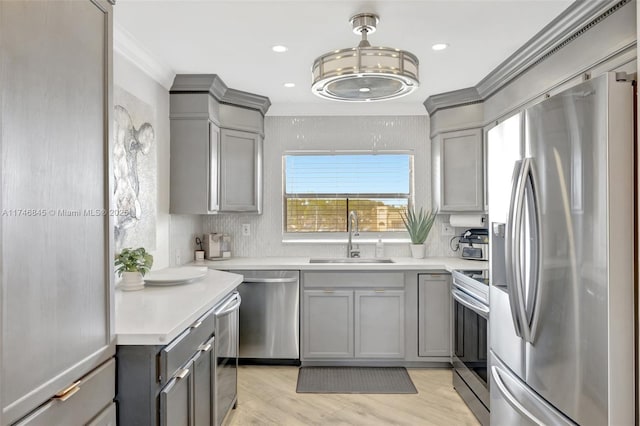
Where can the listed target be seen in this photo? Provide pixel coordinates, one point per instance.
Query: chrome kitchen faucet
(352, 250)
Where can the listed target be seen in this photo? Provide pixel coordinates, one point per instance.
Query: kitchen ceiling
(234, 39)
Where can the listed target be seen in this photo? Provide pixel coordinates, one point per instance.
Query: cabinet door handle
(196, 324)
(68, 392)
(181, 374)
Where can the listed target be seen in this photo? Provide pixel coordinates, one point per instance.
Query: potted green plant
(132, 264)
(418, 226)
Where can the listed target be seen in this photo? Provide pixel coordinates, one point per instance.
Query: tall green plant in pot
(132, 264)
(418, 226)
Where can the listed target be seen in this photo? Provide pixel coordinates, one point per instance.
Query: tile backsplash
(357, 133)
(183, 230)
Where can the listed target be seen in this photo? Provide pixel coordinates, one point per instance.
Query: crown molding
(213, 84)
(129, 47)
(579, 17)
(455, 98)
(247, 100)
(575, 20)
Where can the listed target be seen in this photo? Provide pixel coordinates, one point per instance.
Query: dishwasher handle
(270, 280)
(231, 304)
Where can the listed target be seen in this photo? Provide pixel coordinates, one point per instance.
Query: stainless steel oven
(470, 292)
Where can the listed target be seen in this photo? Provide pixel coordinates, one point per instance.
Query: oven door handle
(468, 302)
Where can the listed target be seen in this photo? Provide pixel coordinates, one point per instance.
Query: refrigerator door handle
(511, 249)
(536, 253)
(523, 189)
(511, 400)
(529, 405)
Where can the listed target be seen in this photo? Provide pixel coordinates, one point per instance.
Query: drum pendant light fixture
(365, 73)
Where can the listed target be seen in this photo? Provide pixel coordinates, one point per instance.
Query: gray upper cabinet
(434, 315)
(240, 187)
(216, 147)
(458, 171)
(194, 178)
(56, 262)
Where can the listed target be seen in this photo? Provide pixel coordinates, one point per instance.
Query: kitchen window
(321, 189)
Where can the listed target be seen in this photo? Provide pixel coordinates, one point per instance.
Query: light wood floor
(267, 396)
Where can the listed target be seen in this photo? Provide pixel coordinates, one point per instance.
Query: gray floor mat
(354, 380)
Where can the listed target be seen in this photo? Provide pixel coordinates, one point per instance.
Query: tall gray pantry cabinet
(56, 292)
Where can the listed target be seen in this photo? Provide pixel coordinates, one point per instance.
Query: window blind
(320, 191)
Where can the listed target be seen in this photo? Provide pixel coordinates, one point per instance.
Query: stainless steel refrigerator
(561, 200)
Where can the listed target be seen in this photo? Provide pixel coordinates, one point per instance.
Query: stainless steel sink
(351, 260)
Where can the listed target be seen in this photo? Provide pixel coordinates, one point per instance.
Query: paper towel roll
(467, 220)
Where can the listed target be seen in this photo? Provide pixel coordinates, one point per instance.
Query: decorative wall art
(135, 172)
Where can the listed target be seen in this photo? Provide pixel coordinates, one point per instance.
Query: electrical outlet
(246, 229)
(447, 230)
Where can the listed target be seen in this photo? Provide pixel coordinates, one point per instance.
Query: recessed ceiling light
(364, 89)
(279, 48)
(439, 46)
(289, 85)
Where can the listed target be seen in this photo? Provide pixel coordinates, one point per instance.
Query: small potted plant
(418, 225)
(132, 264)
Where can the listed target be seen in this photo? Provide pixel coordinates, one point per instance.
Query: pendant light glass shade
(365, 73)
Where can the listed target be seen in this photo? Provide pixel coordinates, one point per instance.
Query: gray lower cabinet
(176, 399)
(353, 316)
(107, 417)
(204, 365)
(172, 385)
(379, 324)
(328, 324)
(88, 397)
(434, 315)
(56, 291)
(458, 171)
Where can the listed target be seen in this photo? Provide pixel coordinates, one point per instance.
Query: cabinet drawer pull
(181, 374)
(326, 290)
(205, 347)
(196, 324)
(379, 290)
(68, 392)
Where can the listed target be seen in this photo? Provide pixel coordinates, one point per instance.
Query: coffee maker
(474, 244)
(217, 246)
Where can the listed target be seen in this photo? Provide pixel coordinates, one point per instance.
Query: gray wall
(329, 133)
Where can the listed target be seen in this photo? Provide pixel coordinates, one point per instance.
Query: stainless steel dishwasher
(270, 316)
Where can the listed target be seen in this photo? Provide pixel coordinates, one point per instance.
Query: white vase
(131, 281)
(418, 250)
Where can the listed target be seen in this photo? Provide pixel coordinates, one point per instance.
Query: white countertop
(157, 315)
(302, 263)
